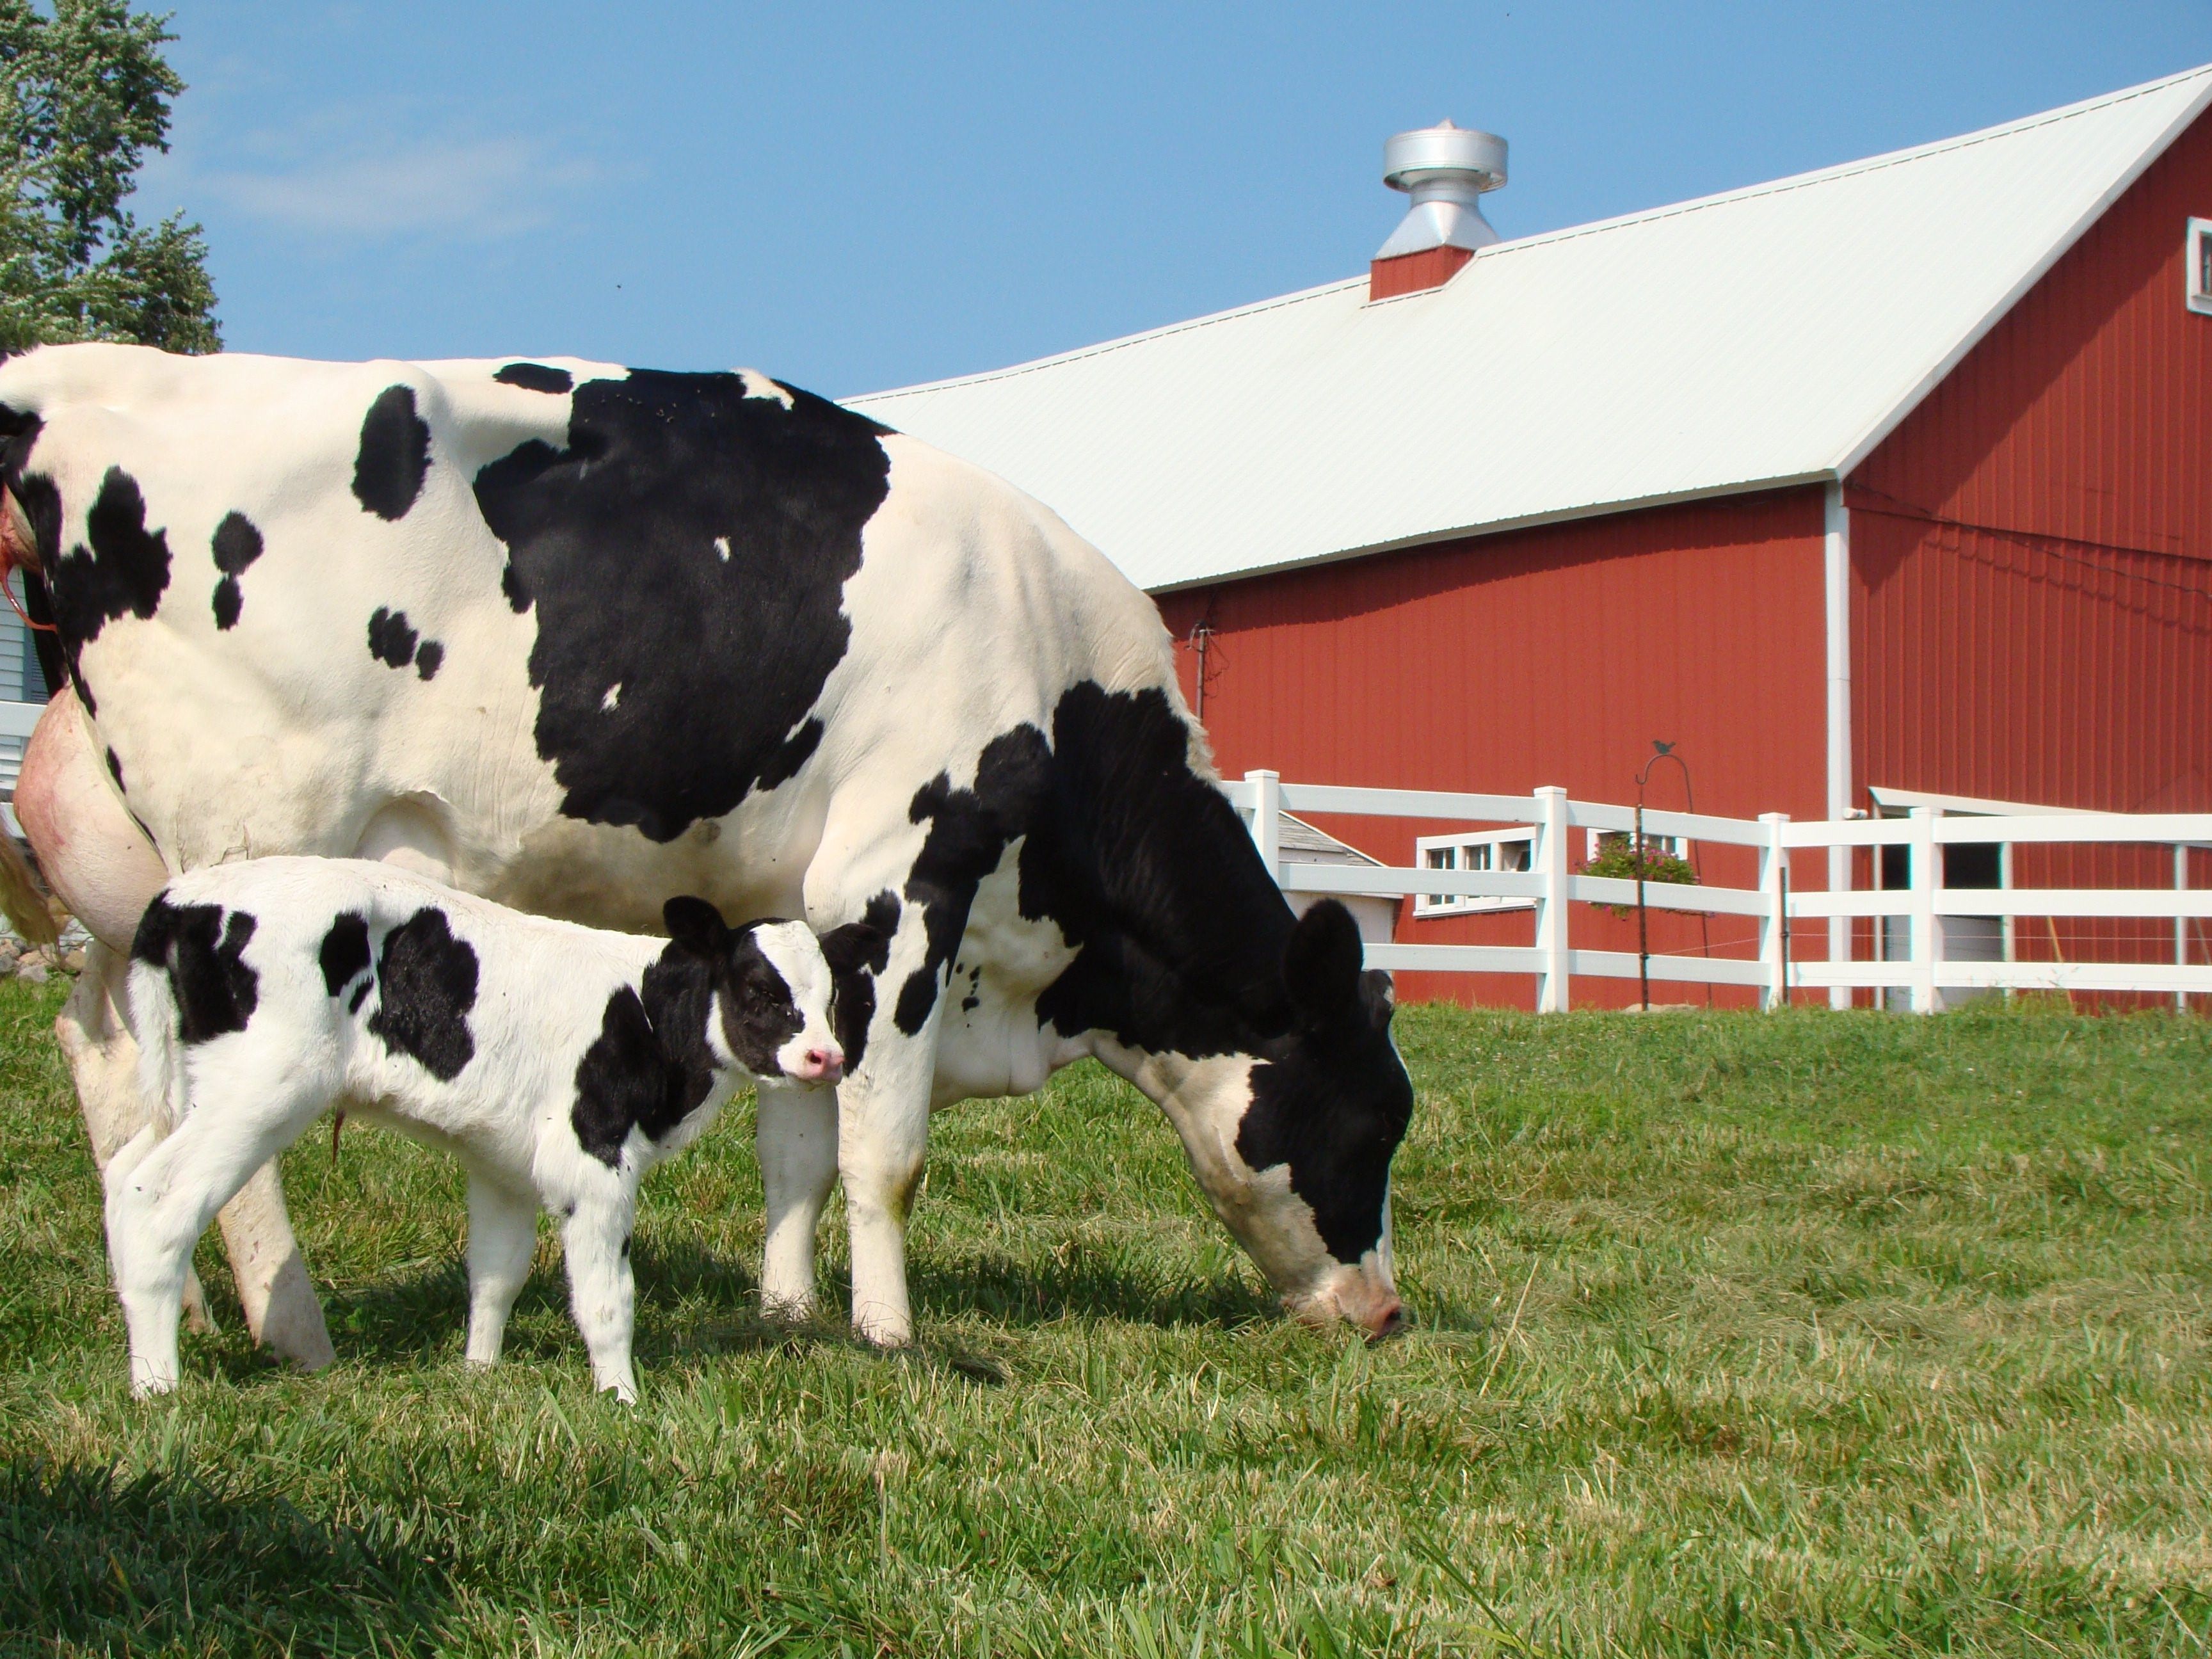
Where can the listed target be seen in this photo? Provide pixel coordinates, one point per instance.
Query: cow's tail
(23, 896)
(150, 994)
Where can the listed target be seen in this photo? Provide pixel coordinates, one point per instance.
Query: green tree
(84, 93)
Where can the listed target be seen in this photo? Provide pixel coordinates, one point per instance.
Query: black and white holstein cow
(559, 1062)
(578, 638)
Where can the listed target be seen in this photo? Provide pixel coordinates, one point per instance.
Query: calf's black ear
(1320, 968)
(696, 924)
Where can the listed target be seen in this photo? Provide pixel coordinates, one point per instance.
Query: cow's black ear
(1321, 967)
(696, 926)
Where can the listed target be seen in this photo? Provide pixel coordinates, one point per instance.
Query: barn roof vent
(1447, 170)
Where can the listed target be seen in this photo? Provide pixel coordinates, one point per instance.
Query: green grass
(1810, 1333)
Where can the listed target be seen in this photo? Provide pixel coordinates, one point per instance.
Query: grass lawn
(1808, 1333)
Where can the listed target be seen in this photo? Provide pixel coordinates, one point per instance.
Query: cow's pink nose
(823, 1065)
(1385, 1321)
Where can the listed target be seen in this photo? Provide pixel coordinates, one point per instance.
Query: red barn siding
(1547, 656)
(2032, 613)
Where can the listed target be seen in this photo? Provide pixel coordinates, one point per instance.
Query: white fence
(1916, 967)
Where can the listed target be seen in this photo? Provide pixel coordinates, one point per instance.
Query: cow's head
(1293, 1144)
(771, 993)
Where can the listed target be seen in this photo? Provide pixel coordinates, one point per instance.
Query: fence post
(1551, 987)
(2180, 922)
(1267, 820)
(1774, 922)
(1927, 879)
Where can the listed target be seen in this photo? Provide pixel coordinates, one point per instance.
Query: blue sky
(854, 198)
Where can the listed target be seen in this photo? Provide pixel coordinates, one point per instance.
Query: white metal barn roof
(1762, 336)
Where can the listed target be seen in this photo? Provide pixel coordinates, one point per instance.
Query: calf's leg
(162, 1194)
(502, 1237)
(105, 870)
(602, 1296)
(797, 1137)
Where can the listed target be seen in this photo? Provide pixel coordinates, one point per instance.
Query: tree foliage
(84, 93)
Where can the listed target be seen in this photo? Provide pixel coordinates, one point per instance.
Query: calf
(558, 1062)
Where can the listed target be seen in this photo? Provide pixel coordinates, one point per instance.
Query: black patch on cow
(536, 377)
(344, 953)
(969, 831)
(857, 952)
(1331, 1100)
(42, 507)
(625, 1247)
(619, 540)
(121, 569)
(966, 1003)
(115, 771)
(429, 657)
(203, 953)
(429, 983)
(510, 583)
(395, 454)
(236, 545)
(360, 995)
(782, 766)
(391, 637)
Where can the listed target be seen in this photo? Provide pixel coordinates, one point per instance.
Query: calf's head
(1297, 1139)
(771, 993)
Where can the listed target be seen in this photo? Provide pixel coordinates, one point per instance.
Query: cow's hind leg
(162, 1194)
(502, 1237)
(797, 1137)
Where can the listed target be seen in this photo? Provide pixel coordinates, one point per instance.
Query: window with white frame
(1658, 846)
(2196, 265)
(1501, 850)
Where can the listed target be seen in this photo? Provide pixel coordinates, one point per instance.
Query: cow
(577, 637)
(559, 1062)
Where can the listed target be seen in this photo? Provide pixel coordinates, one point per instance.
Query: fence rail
(1909, 930)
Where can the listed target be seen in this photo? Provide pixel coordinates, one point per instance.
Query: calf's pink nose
(823, 1065)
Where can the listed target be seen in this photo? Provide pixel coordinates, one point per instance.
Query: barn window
(2198, 264)
(1496, 851)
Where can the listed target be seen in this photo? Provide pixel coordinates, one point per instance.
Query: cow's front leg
(883, 1138)
(796, 1135)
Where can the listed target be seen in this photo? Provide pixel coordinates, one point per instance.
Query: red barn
(1886, 483)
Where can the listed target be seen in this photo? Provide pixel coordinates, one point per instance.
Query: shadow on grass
(1017, 1292)
(167, 1561)
(695, 1304)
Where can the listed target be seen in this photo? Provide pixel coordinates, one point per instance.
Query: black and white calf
(559, 1062)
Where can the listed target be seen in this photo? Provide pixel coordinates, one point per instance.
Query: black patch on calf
(650, 1066)
(429, 979)
(236, 545)
(391, 637)
(124, 572)
(857, 952)
(759, 1015)
(536, 377)
(720, 658)
(203, 954)
(394, 456)
(115, 771)
(344, 953)
(429, 657)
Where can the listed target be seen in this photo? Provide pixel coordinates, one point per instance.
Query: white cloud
(455, 189)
